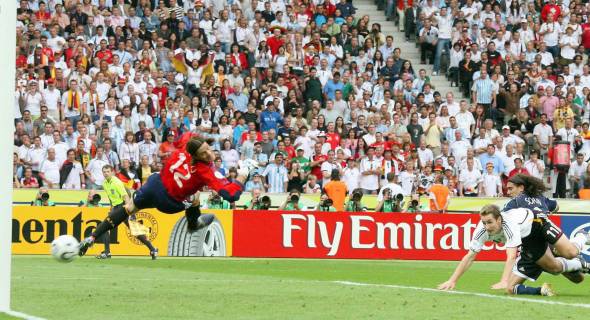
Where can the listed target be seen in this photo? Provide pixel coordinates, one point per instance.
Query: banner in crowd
(34, 228)
(358, 235)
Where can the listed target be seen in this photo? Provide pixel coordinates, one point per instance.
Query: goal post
(7, 77)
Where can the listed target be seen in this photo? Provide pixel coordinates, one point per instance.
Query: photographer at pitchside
(354, 204)
(42, 199)
(390, 202)
(292, 202)
(92, 201)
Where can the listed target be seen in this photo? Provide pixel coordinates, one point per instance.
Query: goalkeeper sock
(116, 216)
(580, 241)
(570, 265)
(522, 289)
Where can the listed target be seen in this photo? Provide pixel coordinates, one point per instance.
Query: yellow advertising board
(34, 228)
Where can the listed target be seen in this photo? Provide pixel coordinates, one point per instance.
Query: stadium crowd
(308, 89)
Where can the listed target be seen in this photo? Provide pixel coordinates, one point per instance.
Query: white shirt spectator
(371, 181)
(425, 155)
(543, 132)
(95, 169)
(351, 177)
(536, 168)
(464, 121)
(570, 43)
(327, 166)
(459, 149)
(36, 156)
(491, 183)
(577, 170)
(61, 151)
(470, 179)
(129, 151)
(444, 25)
(73, 181)
(224, 30)
(51, 171)
(567, 134)
(52, 98)
(406, 181)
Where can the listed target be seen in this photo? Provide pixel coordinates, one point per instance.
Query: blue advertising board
(571, 225)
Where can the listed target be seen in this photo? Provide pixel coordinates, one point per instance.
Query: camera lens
(399, 197)
(295, 198)
(96, 198)
(45, 196)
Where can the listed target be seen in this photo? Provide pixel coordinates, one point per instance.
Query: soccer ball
(65, 248)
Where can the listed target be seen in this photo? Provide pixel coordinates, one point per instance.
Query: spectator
(71, 174)
(49, 170)
(312, 186)
(167, 147)
(518, 168)
(491, 184)
(470, 179)
(28, 180)
(339, 85)
(576, 171)
(491, 157)
(94, 170)
(277, 175)
(370, 169)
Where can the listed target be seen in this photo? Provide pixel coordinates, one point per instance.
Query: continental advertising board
(293, 234)
(33, 229)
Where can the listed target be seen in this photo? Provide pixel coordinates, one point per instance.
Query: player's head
(107, 171)
(200, 150)
(529, 185)
(491, 218)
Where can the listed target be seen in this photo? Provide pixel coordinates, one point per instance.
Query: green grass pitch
(227, 288)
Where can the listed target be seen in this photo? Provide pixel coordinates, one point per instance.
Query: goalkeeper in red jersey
(186, 172)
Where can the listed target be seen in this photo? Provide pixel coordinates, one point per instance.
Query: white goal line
(21, 315)
(465, 293)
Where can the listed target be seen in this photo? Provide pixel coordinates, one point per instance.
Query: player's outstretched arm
(228, 190)
(510, 260)
(463, 266)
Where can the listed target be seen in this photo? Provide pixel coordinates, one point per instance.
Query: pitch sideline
(476, 294)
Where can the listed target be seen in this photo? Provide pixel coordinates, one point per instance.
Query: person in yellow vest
(118, 196)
